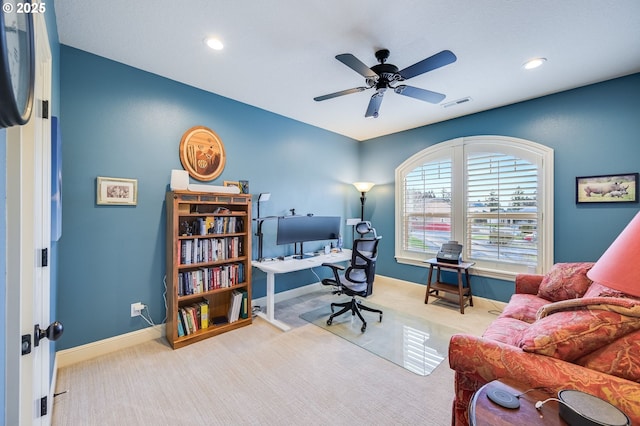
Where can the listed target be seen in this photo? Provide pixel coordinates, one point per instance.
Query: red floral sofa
(558, 331)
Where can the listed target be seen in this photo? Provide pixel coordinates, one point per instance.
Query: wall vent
(456, 102)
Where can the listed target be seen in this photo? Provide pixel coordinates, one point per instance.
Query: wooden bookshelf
(208, 261)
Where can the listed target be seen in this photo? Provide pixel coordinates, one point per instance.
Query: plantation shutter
(427, 206)
(502, 208)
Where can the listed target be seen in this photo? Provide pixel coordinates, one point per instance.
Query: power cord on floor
(496, 311)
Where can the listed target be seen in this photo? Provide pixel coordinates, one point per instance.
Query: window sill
(479, 271)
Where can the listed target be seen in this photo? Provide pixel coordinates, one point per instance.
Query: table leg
(271, 290)
(269, 316)
(460, 292)
(466, 273)
(426, 296)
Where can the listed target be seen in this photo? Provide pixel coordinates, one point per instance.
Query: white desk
(273, 267)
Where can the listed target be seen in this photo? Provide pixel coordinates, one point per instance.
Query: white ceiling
(280, 54)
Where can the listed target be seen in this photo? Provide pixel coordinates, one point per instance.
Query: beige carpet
(259, 375)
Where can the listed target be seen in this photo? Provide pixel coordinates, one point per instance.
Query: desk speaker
(581, 409)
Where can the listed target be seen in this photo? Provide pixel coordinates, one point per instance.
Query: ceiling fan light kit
(383, 76)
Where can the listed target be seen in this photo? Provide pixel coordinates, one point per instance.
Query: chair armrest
(477, 361)
(528, 283)
(335, 266)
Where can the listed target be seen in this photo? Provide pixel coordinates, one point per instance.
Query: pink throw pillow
(568, 335)
(565, 281)
(523, 307)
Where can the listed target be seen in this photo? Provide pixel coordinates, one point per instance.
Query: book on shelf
(244, 309)
(234, 306)
(193, 325)
(188, 327)
(204, 314)
(196, 313)
(208, 223)
(180, 326)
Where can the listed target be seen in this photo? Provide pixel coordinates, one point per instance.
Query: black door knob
(53, 332)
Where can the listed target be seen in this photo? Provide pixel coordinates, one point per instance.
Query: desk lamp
(262, 197)
(363, 188)
(619, 267)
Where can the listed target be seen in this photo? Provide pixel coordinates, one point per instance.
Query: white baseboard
(70, 356)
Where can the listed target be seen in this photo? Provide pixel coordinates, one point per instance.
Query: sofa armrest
(477, 361)
(528, 283)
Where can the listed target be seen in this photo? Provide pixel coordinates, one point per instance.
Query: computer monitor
(299, 229)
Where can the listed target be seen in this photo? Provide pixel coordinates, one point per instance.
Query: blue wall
(122, 122)
(593, 130)
(118, 121)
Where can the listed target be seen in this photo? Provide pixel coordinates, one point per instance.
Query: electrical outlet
(136, 308)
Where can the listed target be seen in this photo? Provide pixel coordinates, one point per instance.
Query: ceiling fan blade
(374, 104)
(355, 64)
(340, 93)
(421, 94)
(438, 60)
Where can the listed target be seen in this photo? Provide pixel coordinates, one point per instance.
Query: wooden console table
(434, 288)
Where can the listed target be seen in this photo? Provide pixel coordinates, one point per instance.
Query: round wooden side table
(484, 412)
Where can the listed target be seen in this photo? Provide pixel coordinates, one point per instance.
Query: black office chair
(357, 280)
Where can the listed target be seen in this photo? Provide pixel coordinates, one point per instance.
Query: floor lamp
(363, 188)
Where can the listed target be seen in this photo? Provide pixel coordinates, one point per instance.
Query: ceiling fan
(383, 75)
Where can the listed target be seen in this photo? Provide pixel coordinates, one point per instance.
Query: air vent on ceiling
(456, 102)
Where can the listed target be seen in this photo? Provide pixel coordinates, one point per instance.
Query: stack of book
(192, 318)
(201, 250)
(207, 279)
(238, 305)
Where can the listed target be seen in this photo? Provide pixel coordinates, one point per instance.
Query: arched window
(492, 194)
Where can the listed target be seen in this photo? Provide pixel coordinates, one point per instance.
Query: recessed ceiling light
(214, 43)
(534, 63)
